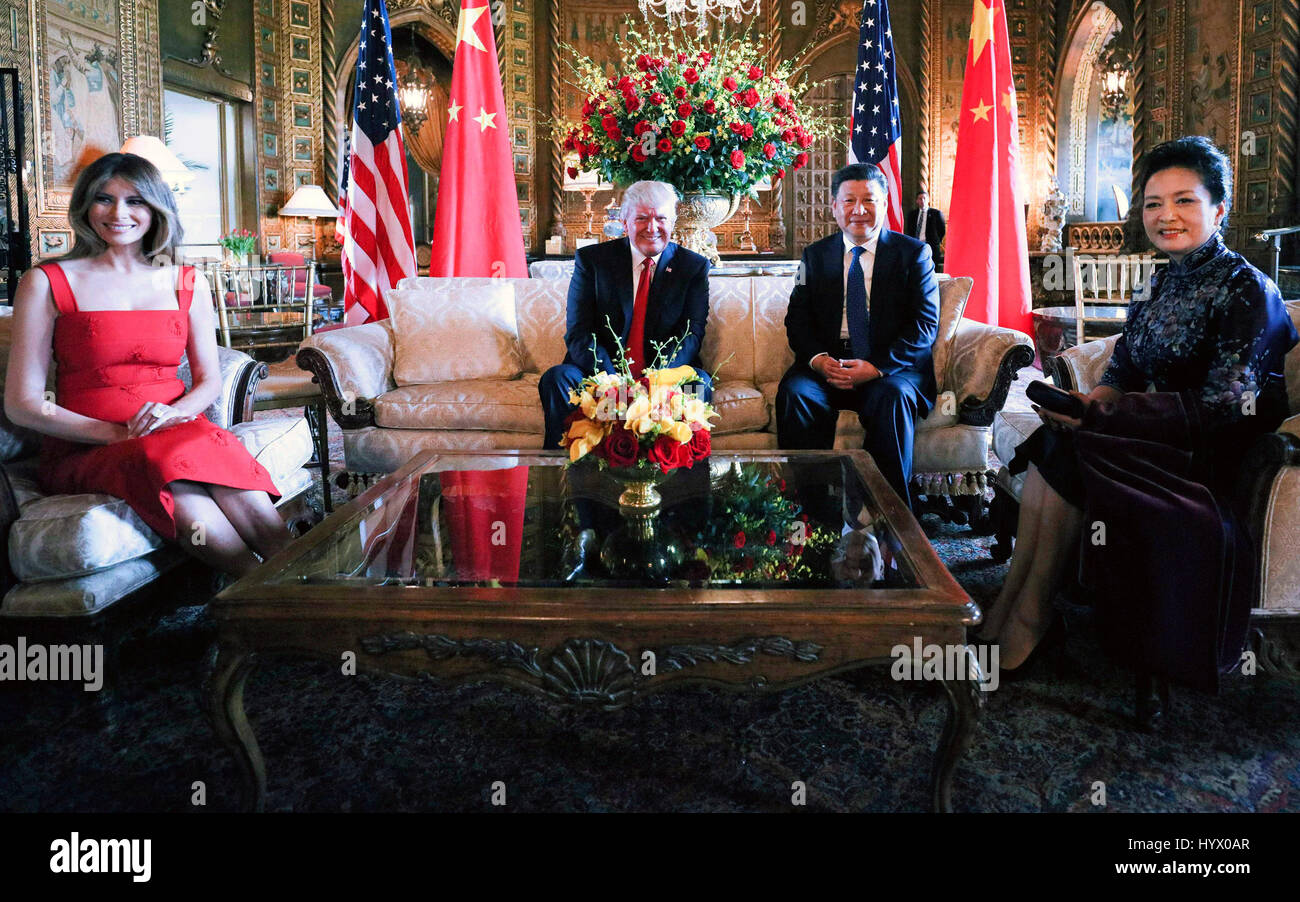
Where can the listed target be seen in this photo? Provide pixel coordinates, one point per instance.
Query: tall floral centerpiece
(713, 122)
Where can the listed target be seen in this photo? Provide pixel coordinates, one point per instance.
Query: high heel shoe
(1052, 645)
(1151, 701)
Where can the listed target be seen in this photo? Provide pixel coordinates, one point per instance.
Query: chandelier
(683, 13)
(413, 90)
(1115, 65)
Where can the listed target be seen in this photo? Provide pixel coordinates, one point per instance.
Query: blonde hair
(165, 232)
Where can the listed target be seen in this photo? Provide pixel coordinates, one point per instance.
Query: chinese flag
(476, 231)
(986, 223)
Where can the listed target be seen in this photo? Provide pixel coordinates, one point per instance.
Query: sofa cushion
(953, 294)
(457, 329)
(81, 596)
(540, 310)
(280, 444)
(60, 536)
(741, 408)
(63, 536)
(772, 354)
(728, 348)
(488, 404)
(1010, 428)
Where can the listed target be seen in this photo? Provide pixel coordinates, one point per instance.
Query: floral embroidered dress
(1210, 325)
(110, 362)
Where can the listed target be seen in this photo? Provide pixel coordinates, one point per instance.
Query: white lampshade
(585, 180)
(155, 151)
(310, 200)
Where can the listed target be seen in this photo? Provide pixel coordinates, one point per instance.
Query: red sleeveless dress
(110, 362)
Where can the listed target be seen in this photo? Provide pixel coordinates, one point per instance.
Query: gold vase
(697, 216)
(642, 548)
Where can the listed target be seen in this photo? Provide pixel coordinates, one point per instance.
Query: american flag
(875, 134)
(375, 228)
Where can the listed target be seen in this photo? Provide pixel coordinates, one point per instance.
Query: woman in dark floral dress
(1211, 331)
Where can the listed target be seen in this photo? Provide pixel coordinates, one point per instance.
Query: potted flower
(239, 245)
(642, 428)
(714, 123)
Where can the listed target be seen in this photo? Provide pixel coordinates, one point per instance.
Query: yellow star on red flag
(981, 28)
(465, 33)
(484, 120)
(982, 111)
(453, 112)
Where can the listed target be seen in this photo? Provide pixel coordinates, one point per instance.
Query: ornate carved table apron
(373, 580)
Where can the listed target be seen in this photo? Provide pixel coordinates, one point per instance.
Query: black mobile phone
(1055, 399)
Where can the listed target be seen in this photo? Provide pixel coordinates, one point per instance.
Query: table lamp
(311, 202)
(174, 172)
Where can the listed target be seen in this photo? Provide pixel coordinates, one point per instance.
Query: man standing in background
(927, 224)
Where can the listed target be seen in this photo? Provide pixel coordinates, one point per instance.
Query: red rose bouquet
(710, 121)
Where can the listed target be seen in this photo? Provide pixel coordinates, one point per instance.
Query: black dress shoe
(578, 556)
(1151, 701)
(1049, 648)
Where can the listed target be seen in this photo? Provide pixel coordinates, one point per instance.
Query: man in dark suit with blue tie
(646, 288)
(862, 318)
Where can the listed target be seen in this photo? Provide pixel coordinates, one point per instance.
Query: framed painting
(78, 68)
(302, 148)
(272, 242)
(299, 14)
(301, 81)
(302, 177)
(300, 48)
(53, 242)
(302, 115)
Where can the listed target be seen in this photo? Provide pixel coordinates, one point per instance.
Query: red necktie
(636, 334)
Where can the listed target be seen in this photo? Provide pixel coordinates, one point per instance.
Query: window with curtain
(201, 131)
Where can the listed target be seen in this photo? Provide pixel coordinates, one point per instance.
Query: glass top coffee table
(755, 570)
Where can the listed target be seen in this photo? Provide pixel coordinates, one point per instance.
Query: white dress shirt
(868, 263)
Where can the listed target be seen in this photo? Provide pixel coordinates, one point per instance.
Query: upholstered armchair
(72, 557)
(1268, 487)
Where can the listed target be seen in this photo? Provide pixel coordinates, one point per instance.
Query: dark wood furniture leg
(228, 670)
(958, 730)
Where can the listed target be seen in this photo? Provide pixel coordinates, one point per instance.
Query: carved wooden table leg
(958, 730)
(228, 669)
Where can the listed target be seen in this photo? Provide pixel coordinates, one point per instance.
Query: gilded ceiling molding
(1177, 61)
(776, 215)
(1134, 233)
(1104, 22)
(924, 176)
(553, 141)
(1046, 114)
(1283, 166)
(332, 126)
(210, 53)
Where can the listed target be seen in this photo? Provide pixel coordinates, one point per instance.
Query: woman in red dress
(115, 316)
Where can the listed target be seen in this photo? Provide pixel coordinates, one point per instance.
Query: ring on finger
(157, 413)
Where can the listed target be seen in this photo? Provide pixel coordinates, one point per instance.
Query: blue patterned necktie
(855, 296)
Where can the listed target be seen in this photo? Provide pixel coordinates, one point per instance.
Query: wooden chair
(1106, 281)
(324, 310)
(266, 311)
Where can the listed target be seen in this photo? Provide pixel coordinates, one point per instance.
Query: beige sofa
(74, 556)
(384, 424)
(1268, 486)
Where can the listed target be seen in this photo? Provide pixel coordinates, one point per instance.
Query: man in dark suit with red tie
(644, 288)
(863, 315)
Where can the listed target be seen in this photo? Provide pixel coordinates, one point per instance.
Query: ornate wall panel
(287, 110)
(91, 78)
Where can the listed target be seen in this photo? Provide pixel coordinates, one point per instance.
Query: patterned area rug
(860, 742)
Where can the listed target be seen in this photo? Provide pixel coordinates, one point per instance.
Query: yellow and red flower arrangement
(652, 421)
